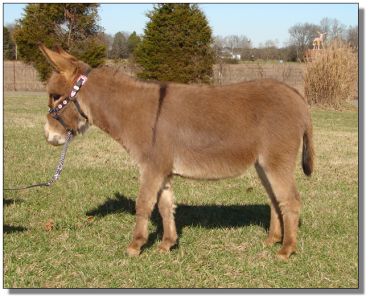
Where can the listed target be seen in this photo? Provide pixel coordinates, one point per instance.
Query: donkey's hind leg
(275, 233)
(151, 184)
(283, 186)
(166, 209)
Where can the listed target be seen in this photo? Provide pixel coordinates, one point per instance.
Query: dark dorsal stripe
(162, 94)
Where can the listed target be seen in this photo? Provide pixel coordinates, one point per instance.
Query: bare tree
(119, 46)
(301, 37)
(334, 29)
(352, 36)
(233, 42)
(107, 40)
(325, 26)
(269, 49)
(337, 29)
(271, 43)
(237, 42)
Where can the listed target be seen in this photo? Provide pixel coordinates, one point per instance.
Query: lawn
(75, 233)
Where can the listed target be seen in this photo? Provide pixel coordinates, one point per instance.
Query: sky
(259, 22)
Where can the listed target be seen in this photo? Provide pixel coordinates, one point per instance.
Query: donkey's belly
(212, 166)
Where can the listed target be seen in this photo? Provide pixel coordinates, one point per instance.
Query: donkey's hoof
(282, 257)
(166, 245)
(131, 251)
(162, 248)
(270, 241)
(284, 253)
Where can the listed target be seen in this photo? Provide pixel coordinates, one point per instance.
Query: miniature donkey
(194, 131)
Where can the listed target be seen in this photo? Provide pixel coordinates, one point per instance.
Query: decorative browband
(81, 80)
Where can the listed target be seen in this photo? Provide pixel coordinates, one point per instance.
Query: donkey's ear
(61, 51)
(65, 65)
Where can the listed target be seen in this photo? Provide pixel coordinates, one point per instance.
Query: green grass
(221, 224)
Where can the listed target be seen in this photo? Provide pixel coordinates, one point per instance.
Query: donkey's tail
(308, 152)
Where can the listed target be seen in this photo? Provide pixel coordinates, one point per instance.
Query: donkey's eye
(55, 97)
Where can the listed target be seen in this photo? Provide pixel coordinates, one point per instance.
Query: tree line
(177, 44)
(122, 45)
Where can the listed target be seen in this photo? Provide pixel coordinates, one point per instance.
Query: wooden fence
(290, 73)
(21, 77)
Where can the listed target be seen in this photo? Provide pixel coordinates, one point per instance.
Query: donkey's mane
(116, 73)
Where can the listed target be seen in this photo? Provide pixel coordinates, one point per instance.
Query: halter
(72, 97)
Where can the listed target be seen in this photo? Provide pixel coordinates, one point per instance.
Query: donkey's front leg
(150, 185)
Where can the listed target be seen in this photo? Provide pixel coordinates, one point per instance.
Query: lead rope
(58, 170)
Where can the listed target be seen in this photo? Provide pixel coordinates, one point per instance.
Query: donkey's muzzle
(52, 137)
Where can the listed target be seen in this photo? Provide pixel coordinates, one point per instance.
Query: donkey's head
(65, 113)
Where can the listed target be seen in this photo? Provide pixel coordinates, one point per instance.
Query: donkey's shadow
(7, 229)
(207, 216)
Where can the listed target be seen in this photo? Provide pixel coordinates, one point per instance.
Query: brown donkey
(194, 131)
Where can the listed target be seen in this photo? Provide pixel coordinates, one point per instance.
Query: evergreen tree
(119, 46)
(73, 26)
(132, 42)
(8, 45)
(176, 45)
